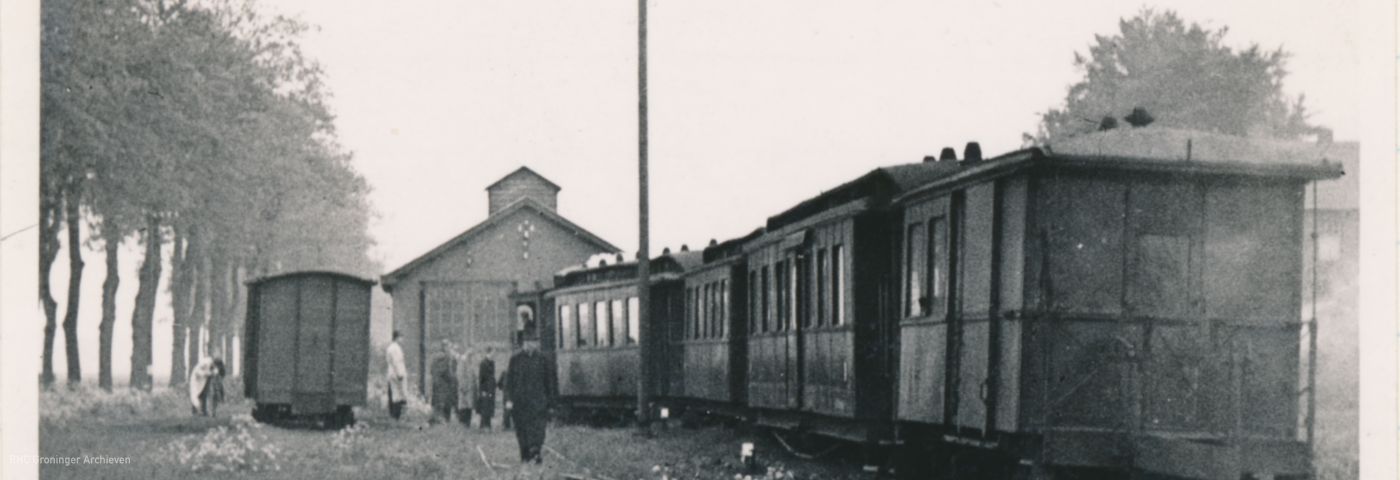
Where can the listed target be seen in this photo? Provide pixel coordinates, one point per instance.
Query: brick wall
(515, 187)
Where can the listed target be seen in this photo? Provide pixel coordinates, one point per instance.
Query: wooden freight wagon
(1129, 302)
(306, 352)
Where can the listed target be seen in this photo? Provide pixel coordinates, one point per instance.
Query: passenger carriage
(819, 356)
(713, 335)
(596, 324)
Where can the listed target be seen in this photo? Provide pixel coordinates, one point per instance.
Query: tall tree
(111, 245)
(1184, 76)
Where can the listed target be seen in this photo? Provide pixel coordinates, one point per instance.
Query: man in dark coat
(486, 388)
(444, 374)
(527, 389)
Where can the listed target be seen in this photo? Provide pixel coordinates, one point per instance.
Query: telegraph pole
(644, 340)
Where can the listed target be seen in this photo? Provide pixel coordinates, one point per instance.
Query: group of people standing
(465, 383)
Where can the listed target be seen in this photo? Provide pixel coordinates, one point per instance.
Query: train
(1084, 310)
(306, 348)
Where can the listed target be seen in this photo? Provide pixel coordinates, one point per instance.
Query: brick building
(460, 290)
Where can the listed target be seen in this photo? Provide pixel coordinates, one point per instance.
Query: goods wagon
(1093, 309)
(596, 325)
(306, 352)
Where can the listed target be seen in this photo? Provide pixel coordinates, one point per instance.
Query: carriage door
(316, 306)
(974, 218)
(1164, 221)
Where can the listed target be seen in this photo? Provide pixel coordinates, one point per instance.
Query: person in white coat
(397, 377)
(206, 385)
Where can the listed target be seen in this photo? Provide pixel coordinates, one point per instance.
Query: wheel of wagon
(344, 416)
(261, 413)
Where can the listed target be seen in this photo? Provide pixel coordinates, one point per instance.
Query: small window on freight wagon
(604, 332)
(619, 321)
(633, 320)
(838, 285)
(567, 340)
(938, 266)
(585, 325)
(915, 247)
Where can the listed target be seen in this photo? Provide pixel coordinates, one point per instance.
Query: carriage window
(915, 297)
(766, 307)
(619, 322)
(704, 321)
(709, 310)
(585, 325)
(801, 287)
(604, 332)
(714, 310)
(820, 314)
(689, 313)
(838, 286)
(938, 265)
(567, 341)
(784, 280)
(633, 320)
(724, 312)
(753, 302)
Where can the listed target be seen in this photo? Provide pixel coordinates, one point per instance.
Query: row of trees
(201, 132)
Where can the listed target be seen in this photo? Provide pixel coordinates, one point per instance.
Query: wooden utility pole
(644, 339)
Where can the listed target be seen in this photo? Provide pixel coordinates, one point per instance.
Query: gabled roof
(389, 279)
(524, 171)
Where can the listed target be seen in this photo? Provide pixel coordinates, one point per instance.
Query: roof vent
(713, 242)
(972, 153)
(666, 251)
(930, 159)
(685, 248)
(948, 154)
(620, 259)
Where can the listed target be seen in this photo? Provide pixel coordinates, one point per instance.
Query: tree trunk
(144, 309)
(75, 284)
(179, 305)
(201, 279)
(112, 245)
(49, 244)
(218, 301)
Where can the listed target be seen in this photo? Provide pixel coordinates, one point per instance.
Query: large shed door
(468, 314)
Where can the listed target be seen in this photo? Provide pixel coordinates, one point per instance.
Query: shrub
(352, 441)
(224, 449)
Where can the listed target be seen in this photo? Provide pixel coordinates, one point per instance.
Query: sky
(755, 105)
